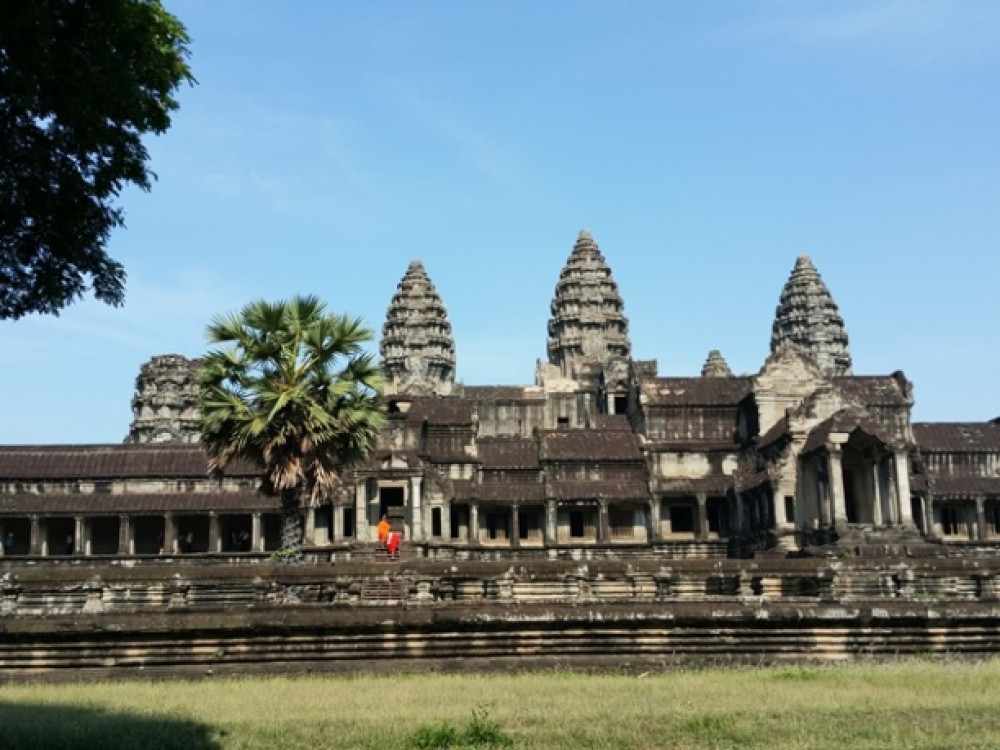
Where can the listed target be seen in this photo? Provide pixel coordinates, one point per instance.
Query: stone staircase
(862, 540)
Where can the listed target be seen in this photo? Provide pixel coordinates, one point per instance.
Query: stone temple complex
(600, 457)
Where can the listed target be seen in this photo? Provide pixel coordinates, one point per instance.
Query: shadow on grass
(46, 727)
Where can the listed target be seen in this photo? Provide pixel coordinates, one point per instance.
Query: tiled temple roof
(714, 485)
(88, 462)
(508, 453)
(589, 445)
(598, 490)
(503, 393)
(26, 503)
(509, 492)
(844, 421)
(873, 390)
(965, 486)
(957, 437)
(667, 392)
(443, 410)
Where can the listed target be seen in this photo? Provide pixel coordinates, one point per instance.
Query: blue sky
(705, 145)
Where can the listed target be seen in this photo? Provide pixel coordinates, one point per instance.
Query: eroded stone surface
(808, 317)
(165, 404)
(417, 347)
(588, 325)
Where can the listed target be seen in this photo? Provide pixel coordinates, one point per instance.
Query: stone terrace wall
(187, 620)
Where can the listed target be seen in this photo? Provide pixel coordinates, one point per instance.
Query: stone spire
(417, 348)
(716, 366)
(165, 404)
(587, 323)
(808, 317)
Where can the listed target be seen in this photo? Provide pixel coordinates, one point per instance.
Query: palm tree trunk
(291, 526)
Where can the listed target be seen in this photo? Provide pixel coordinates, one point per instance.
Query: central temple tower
(588, 326)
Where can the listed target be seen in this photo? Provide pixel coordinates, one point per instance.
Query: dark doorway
(390, 504)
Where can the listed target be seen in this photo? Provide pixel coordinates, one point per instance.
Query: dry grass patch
(911, 704)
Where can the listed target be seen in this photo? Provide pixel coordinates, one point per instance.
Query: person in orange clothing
(383, 529)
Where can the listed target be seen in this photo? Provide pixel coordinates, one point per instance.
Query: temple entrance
(391, 504)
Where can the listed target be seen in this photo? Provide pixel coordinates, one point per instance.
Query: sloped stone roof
(598, 490)
(957, 437)
(154, 503)
(589, 445)
(88, 462)
(667, 392)
(873, 390)
(508, 453)
(844, 421)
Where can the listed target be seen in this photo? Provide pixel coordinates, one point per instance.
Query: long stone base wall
(108, 621)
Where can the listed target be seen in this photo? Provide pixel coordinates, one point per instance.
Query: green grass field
(911, 704)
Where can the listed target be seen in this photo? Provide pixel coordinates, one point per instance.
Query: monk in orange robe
(383, 529)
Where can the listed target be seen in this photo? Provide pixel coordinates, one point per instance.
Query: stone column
(361, 511)
(701, 520)
(877, 496)
(901, 459)
(256, 538)
(3, 547)
(446, 521)
(981, 518)
(474, 523)
(309, 535)
(551, 518)
(837, 499)
(38, 543)
(79, 543)
(416, 509)
(169, 534)
(338, 523)
(125, 535)
(515, 527)
(603, 532)
(214, 537)
(655, 523)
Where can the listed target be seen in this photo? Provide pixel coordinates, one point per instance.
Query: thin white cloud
(917, 30)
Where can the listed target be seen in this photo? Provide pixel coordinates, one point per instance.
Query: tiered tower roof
(165, 404)
(587, 323)
(808, 317)
(417, 346)
(716, 366)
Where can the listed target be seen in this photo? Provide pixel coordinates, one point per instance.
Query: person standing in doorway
(383, 529)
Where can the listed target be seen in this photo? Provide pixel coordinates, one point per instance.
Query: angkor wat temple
(601, 457)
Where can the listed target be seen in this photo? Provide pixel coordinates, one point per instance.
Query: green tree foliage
(291, 391)
(81, 81)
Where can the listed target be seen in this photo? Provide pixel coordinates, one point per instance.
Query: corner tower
(587, 324)
(808, 317)
(417, 348)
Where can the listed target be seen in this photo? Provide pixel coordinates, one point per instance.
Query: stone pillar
(550, 522)
(416, 509)
(701, 519)
(309, 535)
(169, 534)
(877, 496)
(125, 535)
(515, 527)
(38, 543)
(361, 511)
(79, 543)
(214, 537)
(256, 538)
(837, 498)
(338, 523)
(446, 521)
(603, 532)
(655, 523)
(3, 537)
(902, 463)
(474, 523)
(981, 518)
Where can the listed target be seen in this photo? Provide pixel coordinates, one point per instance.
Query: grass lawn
(911, 704)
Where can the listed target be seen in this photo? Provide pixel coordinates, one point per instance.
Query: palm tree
(290, 390)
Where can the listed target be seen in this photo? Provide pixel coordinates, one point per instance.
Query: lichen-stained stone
(808, 317)
(165, 404)
(417, 349)
(716, 366)
(587, 324)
